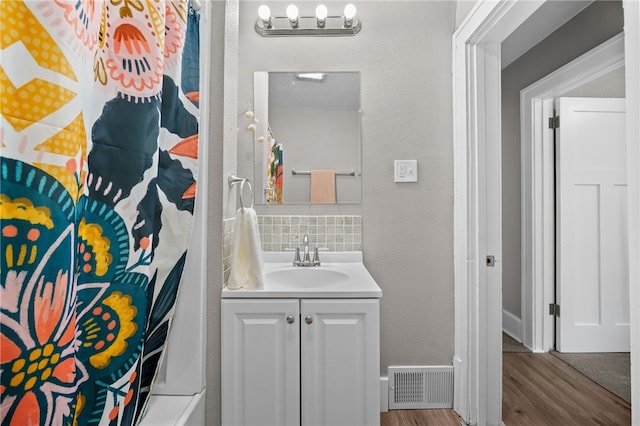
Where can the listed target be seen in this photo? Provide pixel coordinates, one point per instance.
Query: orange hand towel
(323, 187)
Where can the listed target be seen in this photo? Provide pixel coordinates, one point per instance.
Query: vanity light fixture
(322, 24)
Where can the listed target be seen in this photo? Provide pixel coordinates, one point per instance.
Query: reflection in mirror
(307, 122)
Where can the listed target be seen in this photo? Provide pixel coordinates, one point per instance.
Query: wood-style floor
(419, 418)
(538, 390)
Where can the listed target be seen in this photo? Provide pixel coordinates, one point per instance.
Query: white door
(260, 362)
(340, 362)
(591, 235)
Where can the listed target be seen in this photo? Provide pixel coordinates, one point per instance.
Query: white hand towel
(246, 261)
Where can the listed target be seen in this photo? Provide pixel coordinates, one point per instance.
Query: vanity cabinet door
(340, 353)
(260, 362)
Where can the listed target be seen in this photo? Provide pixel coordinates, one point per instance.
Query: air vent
(420, 387)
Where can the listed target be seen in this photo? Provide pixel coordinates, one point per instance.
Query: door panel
(340, 362)
(592, 259)
(619, 255)
(586, 249)
(261, 359)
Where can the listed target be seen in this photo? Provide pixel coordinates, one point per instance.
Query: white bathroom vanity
(305, 350)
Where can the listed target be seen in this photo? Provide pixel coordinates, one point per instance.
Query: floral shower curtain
(98, 138)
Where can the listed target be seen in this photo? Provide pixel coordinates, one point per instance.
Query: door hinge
(554, 309)
(554, 122)
(491, 261)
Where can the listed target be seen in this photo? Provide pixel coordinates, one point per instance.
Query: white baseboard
(512, 325)
(384, 394)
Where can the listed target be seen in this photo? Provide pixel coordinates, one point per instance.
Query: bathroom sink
(340, 275)
(307, 277)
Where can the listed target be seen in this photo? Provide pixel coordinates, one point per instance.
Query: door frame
(477, 202)
(537, 201)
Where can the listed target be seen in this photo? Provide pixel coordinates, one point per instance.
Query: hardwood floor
(538, 390)
(440, 417)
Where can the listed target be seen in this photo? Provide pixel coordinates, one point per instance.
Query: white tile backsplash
(336, 233)
(277, 233)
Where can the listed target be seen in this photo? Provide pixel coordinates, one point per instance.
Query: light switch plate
(405, 170)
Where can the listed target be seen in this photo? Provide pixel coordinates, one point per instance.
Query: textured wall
(610, 85)
(463, 7)
(404, 55)
(591, 27)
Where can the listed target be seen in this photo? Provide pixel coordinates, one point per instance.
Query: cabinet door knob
(290, 319)
(308, 319)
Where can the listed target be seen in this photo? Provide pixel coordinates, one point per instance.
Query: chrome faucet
(307, 259)
(305, 248)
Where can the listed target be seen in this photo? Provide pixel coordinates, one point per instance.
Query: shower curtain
(99, 142)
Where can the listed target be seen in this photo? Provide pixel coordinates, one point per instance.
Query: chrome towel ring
(233, 180)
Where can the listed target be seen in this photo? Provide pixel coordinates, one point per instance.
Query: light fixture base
(308, 26)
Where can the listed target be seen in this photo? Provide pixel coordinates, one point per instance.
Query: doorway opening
(477, 200)
(538, 187)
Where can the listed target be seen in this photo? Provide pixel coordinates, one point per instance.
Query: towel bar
(233, 180)
(308, 172)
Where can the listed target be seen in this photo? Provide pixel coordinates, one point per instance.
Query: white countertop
(354, 282)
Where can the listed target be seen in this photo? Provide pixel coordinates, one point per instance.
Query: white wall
(404, 55)
(594, 25)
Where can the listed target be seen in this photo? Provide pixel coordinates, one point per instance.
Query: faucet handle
(296, 258)
(316, 250)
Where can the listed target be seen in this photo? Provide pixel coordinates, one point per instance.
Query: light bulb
(349, 14)
(321, 15)
(321, 12)
(292, 14)
(265, 15)
(264, 12)
(248, 114)
(349, 11)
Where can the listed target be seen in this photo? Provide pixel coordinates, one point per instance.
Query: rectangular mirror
(306, 121)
